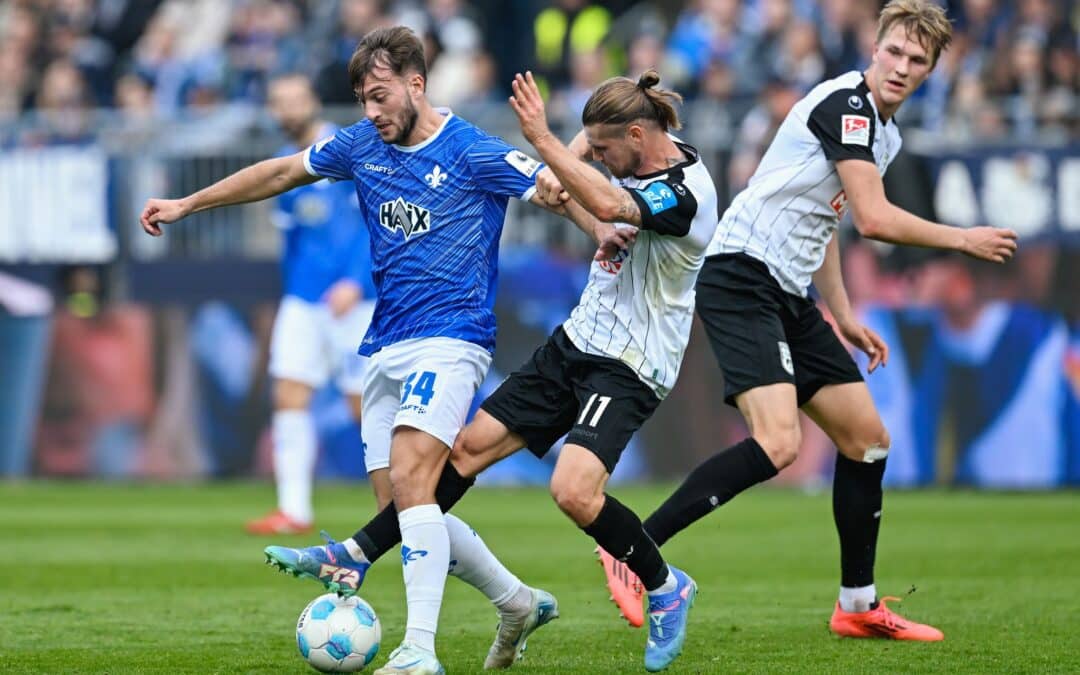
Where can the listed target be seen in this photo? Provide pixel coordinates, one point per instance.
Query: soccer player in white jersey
(776, 351)
(328, 301)
(606, 369)
(433, 191)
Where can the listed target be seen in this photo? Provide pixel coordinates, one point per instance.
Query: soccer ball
(338, 635)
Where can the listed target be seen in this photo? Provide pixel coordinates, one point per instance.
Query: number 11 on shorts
(604, 400)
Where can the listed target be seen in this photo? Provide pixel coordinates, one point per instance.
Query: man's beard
(410, 116)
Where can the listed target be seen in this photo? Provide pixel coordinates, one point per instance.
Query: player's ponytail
(621, 101)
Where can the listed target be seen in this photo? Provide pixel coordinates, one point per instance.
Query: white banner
(54, 206)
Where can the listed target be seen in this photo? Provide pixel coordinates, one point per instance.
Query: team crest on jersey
(855, 130)
(436, 177)
(785, 358)
(399, 214)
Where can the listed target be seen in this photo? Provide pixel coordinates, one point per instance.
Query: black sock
(382, 532)
(714, 482)
(618, 531)
(857, 512)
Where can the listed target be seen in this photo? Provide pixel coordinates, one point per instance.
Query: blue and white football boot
(668, 613)
(331, 565)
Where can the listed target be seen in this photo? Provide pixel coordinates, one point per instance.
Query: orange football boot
(626, 589)
(881, 622)
(277, 522)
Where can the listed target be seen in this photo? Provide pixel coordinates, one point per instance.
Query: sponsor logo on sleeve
(659, 197)
(855, 102)
(855, 130)
(524, 164)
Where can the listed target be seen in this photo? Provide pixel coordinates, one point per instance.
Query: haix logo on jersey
(436, 177)
(855, 130)
(405, 216)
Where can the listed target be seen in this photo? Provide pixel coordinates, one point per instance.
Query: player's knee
(870, 446)
(469, 454)
(575, 500)
(781, 445)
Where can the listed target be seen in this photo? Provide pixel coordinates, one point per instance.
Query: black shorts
(761, 334)
(598, 400)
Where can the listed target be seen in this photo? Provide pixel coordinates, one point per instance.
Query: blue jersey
(435, 213)
(325, 238)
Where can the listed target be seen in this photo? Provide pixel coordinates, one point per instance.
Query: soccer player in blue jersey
(433, 191)
(329, 299)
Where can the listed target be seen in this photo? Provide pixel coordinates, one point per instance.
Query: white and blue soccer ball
(338, 635)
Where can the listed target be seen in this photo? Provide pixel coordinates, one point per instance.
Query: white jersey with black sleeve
(639, 307)
(794, 201)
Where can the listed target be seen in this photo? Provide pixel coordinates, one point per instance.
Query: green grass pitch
(101, 578)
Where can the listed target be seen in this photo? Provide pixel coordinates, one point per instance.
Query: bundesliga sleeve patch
(659, 197)
(855, 130)
(525, 165)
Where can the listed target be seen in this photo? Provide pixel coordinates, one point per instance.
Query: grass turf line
(99, 578)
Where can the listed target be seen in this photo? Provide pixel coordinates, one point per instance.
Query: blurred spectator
(758, 129)
(99, 394)
(355, 19)
(563, 30)
(705, 31)
(64, 107)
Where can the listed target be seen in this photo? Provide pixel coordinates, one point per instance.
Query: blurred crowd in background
(156, 364)
(1012, 69)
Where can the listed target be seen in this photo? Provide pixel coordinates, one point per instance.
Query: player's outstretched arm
(256, 182)
(586, 185)
(829, 281)
(876, 218)
(610, 240)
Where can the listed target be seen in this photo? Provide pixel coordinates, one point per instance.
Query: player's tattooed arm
(586, 185)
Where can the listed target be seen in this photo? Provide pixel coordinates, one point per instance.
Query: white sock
(296, 448)
(425, 555)
(857, 599)
(355, 552)
(474, 563)
(669, 585)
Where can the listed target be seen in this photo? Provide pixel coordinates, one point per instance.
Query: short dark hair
(396, 48)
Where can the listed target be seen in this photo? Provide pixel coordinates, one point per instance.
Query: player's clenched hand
(528, 105)
(159, 211)
(611, 240)
(343, 296)
(549, 188)
(995, 244)
(868, 342)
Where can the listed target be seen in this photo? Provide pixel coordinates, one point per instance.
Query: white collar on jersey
(447, 113)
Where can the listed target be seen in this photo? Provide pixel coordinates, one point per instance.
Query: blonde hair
(620, 100)
(920, 18)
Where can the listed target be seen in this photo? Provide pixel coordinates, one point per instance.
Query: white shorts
(424, 383)
(309, 345)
